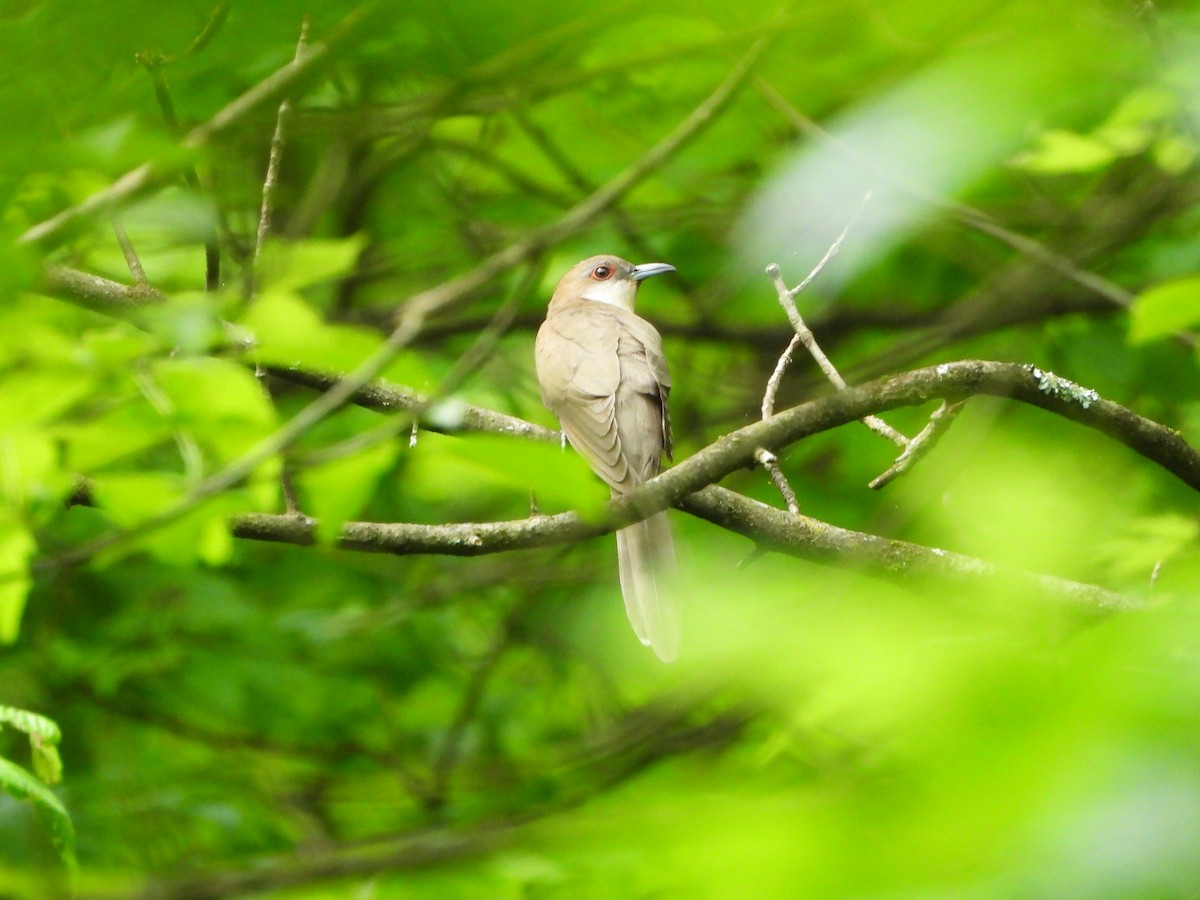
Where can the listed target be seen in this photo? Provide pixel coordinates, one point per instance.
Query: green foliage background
(239, 716)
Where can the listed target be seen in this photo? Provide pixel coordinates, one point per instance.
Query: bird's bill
(646, 270)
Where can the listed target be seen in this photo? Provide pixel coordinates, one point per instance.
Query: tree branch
(96, 293)
(807, 538)
(899, 562)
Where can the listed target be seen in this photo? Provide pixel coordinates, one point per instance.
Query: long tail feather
(646, 555)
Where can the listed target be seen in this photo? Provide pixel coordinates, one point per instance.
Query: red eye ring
(601, 273)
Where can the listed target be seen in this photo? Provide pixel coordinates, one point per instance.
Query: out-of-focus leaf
(1165, 309)
(337, 491)
(188, 322)
(1149, 542)
(286, 266)
(219, 403)
(130, 498)
(16, 548)
(29, 468)
(1062, 152)
(18, 783)
(125, 429)
(1175, 153)
(44, 736)
(27, 397)
(290, 332)
(446, 468)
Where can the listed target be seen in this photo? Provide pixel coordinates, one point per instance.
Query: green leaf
(17, 546)
(337, 491)
(189, 322)
(219, 403)
(41, 395)
(44, 736)
(1145, 106)
(289, 332)
(1175, 153)
(130, 498)
(289, 266)
(18, 783)
(1064, 152)
(29, 461)
(448, 466)
(125, 429)
(1165, 309)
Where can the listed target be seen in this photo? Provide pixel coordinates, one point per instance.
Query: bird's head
(606, 279)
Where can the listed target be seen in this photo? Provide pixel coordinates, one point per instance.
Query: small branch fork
(911, 449)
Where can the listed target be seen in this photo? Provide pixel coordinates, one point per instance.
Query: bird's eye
(601, 272)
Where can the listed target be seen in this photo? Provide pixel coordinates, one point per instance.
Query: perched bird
(602, 372)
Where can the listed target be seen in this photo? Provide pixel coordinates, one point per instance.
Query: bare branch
(808, 339)
(938, 424)
(804, 335)
(276, 155)
(475, 355)
(449, 418)
(131, 258)
(97, 293)
(903, 563)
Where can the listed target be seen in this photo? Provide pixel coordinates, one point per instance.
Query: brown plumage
(602, 372)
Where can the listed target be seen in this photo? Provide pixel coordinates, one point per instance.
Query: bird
(602, 372)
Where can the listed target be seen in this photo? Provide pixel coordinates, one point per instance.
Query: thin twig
(768, 404)
(131, 258)
(766, 458)
(216, 19)
(276, 154)
(939, 423)
(770, 462)
(804, 333)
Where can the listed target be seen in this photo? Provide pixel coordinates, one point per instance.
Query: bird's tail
(647, 558)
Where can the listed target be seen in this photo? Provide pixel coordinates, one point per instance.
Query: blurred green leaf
(444, 468)
(1064, 153)
(1165, 309)
(18, 783)
(17, 546)
(289, 332)
(287, 266)
(219, 403)
(44, 736)
(188, 323)
(337, 491)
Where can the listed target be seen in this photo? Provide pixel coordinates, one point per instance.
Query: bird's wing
(579, 370)
(646, 387)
